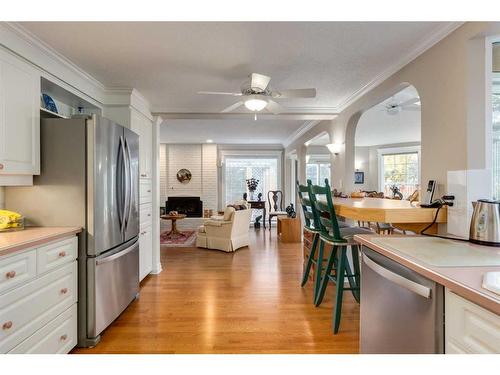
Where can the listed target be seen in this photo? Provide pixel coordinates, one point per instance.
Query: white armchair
(226, 233)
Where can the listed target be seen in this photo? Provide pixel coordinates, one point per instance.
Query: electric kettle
(485, 223)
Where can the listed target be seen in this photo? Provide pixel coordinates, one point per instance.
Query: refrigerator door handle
(412, 286)
(120, 186)
(129, 184)
(126, 207)
(117, 255)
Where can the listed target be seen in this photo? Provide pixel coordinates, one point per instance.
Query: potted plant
(252, 184)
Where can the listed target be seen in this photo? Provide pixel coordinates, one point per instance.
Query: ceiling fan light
(255, 104)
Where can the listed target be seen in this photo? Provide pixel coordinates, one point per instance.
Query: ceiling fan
(256, 95)
(393, 107)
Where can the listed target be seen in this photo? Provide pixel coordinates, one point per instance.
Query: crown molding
(36, 52)
(32, 49)
(306, 126)
(427, 43)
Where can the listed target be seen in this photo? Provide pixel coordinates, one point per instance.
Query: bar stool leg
(337, 309)
(354, 281)
(325, 278)
(310, 259)
(319, 269)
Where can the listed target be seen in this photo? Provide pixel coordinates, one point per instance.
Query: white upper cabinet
(19, 117)
(143, 126)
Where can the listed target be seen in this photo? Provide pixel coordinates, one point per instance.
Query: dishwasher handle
(412, 286)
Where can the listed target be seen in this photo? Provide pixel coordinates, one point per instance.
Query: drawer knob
(64, 290)
(10, 274)
(62, 254)
(143, 175)
(64, 337)
(7, 325)
(1, 166)
(149, 191)
(149, 214)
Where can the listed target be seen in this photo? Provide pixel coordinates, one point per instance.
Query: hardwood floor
(250, 301)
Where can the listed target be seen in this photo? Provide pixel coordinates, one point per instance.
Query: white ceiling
(377, 127)
(227, 131)
(168, 62)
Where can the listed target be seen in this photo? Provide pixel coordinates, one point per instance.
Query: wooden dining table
(402, 214)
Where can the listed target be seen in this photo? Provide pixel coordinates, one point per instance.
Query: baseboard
(156, 270)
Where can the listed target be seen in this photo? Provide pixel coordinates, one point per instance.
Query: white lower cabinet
(39, 315)
(469, 328)
(58, 337)
(145, 252)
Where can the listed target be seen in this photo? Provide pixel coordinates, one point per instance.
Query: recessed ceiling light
(210, 141)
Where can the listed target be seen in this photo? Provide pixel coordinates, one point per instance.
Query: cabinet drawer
(145, 191)
(145, 215)
(27, 308)
(58, 337)
(56, 254)
(469, 327)
(17, 269)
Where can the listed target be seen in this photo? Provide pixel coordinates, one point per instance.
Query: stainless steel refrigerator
(90, 178)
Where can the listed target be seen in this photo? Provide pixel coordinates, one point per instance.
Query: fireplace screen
(190, 206)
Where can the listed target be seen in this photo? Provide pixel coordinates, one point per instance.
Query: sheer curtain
(239, 168)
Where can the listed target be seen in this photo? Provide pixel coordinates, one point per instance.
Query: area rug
(179, 241)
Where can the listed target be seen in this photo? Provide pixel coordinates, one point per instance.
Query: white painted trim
(24, 44)
(156, 195)
(405, 60)
(242, 116)
(308, 125)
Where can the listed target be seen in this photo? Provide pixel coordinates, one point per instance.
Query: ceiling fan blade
(295, 93)
(232, 107)
(259, 81)
(219, 93)
(274, 107)
(410, 101)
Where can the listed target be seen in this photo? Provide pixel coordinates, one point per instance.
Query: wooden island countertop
(11, 242)
(400, 213)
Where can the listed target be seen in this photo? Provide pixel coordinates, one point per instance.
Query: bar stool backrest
(312, 223)
(322, 205)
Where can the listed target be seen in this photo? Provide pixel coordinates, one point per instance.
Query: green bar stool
(312, 226)
(341, 239)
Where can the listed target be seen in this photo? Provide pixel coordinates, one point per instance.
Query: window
(496, 145)
(317, 171)
(238, 168)
(400, 169)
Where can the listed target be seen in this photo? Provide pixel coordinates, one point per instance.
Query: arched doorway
(387, 145)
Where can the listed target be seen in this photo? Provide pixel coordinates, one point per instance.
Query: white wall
(367, 157)
(449, 78)
(2, 198)
(201, 160)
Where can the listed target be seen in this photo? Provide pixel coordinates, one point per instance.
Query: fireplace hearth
(190, 206)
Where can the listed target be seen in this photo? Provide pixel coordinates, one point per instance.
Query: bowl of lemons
(10, 221)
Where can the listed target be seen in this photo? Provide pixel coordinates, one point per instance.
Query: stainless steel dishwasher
(401, 311)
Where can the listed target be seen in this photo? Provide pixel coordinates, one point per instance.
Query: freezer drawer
(401, 311)
(115, 279)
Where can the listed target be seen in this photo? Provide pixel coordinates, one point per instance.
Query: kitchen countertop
(11, 242)
(464, 280)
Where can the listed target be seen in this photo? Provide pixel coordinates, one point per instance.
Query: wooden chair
(337, 266)
(275, 200)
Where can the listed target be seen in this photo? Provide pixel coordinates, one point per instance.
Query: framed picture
(359, 177)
